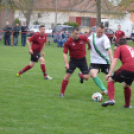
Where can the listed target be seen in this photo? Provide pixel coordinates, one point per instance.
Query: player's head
(122, 41)
(76, 33)
(100, 31)
(119, 27)
(42, 29)
(17, 24)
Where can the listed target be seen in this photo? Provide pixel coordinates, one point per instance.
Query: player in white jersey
(99, 57)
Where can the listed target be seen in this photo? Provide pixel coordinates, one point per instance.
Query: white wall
(47, 18)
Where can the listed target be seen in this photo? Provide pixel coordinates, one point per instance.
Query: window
(85, 21)
(39, 15)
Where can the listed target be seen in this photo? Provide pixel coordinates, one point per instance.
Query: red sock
(26, 68)
(63, 86)
(81, 75)
(127, 94)
(43, 69)
(111, 90)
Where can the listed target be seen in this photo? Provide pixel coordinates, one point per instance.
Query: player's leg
(127, 95)
(64, 84)
(94, 70)
(26, 68)
(111, 91)
(65, 81)
(43, 68)
(84, 74)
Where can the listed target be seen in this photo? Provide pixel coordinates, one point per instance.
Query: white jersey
(99, 49)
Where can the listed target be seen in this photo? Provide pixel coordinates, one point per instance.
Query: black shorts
(123, 76)
(101, 67)
(35, 56)
(80, 63)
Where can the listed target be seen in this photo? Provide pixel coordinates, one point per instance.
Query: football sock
(81, 75)
(43, 69)
(99, 83)
(111, 90)
(26, 68)
(63, 86)
(127, 94)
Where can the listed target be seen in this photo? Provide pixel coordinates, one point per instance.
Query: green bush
(59, 24)
(74, 24)
(17, 21)
(36, 23)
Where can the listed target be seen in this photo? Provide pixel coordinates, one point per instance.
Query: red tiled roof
(72, 5)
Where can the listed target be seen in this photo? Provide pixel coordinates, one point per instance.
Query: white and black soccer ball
(97, 97)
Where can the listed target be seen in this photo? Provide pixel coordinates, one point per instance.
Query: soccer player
(38, 40)
(99, 56)
(117, 35)
(124, 74)
(77, 51)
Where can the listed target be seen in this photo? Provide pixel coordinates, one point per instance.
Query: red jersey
(77, 49)
(126, 54)
(38, 41)
(119, 34)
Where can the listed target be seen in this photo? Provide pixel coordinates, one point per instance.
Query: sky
(115, 2)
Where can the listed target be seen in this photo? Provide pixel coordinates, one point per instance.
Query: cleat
(18, 75)
(48, 77)
(104, 92)
(127, 106)
(61, 95)
(109, 102)
(81, 79)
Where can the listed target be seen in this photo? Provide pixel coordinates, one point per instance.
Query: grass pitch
(30, 105)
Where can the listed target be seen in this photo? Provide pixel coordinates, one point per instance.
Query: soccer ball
(97, 97)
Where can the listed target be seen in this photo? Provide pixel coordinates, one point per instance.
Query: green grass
(30, 105)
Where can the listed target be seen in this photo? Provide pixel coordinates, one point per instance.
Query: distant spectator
(58, 39)
(8, 33)
(16, 34)
(24, 29)
(63, 34)
(66, 36)
(0, 36)
(132, 34)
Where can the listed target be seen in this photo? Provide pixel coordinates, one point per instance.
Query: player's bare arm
(29, 46)
(110, 54)
(65, 57)
(114, 62)
(89, 46)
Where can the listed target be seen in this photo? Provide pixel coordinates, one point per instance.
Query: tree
(0, 13)
(26, 7)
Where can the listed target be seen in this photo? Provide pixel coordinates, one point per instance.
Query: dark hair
(76, 29)
(41, 26)
(122, 41)
(101, 26)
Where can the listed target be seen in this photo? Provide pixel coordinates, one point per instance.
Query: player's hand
(31, 51)
(107, 76)
(67, 66)
(43, 54)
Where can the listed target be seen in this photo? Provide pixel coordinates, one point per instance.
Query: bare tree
(26, 7)
(0, 13)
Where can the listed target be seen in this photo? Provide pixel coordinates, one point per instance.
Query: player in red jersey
(124, 74)
(118, 34)
(77, 52)
(38, 40)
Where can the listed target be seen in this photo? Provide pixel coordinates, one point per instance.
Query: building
(81, 11)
